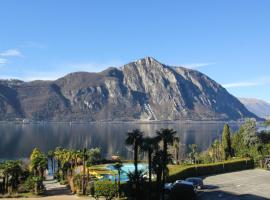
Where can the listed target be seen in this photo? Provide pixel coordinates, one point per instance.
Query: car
(168, 186)
(182, 190)
(197, 182)
(167, 189)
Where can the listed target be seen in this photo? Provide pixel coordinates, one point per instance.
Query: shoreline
(130, 122)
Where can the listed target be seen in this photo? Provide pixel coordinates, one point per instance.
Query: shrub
(105, 189)
(212, 168)
(34, 184)
(77, 184)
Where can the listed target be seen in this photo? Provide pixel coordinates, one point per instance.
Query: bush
(77, 184)
(34, 185)
(105, 189)
(213, 168)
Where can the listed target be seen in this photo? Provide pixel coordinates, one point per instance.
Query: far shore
(127, 122)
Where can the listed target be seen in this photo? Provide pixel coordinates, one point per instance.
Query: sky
(228, 40)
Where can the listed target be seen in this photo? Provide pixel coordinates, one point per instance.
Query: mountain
(259, 107)
(142, 90)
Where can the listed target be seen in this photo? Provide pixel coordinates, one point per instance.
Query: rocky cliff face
(141, 90)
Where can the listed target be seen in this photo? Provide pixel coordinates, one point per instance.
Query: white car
(184, 182)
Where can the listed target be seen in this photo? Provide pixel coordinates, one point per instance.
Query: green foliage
(93, 156)
(10, 171)
(208, 169)
(246, 142)
(77, 181)
(34, 184)
(226, 142)
(38, 162)
(105, 189)
(193, 153)
(248, 131)
(264, 137)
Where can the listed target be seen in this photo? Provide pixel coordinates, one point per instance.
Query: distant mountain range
(259, 107)
(142, 90)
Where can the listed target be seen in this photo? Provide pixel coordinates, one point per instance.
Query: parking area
(244, 185)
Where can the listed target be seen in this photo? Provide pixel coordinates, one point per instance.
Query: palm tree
(157, 165)
(118, 166)
(58, 157)
(193, 152)
(167, 138)
(10, 172)
(134, 139)
(149, 145)
(138, 179)
(84, 156)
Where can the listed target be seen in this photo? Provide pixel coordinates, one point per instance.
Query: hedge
(105, 189)
(209, 169)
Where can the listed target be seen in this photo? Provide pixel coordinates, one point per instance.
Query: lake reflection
(18, 140)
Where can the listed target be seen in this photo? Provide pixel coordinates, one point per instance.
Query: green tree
(10, 171)
(176, 146)
(149, 145)
(166, 136)
(38, 163)
(249, 133)
(118, 166)
(157, 165)
(84, 156)
(226, 142)
(134, 139)
(193, 153)
(138, 180)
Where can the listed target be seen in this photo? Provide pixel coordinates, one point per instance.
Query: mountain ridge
(259, 107)
(141, 90)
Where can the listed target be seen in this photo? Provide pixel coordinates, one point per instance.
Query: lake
(18, 140)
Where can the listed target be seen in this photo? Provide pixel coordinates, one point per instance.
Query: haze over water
(18, 140)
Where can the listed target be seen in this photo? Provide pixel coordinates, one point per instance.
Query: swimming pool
(127, 167)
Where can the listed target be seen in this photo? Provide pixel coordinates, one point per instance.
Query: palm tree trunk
(88, 177)
(136, 158)
(119, 184)
(4, 184)
(165, 148)
(52, 165)
(83, 178)
(159, 174)
(150, 174)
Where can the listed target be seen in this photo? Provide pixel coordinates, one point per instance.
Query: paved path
(55, 191)
(244, 185)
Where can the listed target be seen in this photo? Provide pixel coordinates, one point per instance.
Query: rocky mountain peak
(141, 90)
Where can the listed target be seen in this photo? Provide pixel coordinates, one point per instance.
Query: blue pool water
(127, 167)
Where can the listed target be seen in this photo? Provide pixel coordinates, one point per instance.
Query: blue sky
(228, 40)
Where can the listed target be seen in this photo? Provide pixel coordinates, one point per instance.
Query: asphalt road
(244, 185)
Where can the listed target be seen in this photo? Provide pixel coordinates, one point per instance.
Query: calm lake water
(18, 140)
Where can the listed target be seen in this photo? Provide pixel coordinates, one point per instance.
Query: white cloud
(3, 61)
(11, 53)
(241, 84)
(251, 83)
(198, 65)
